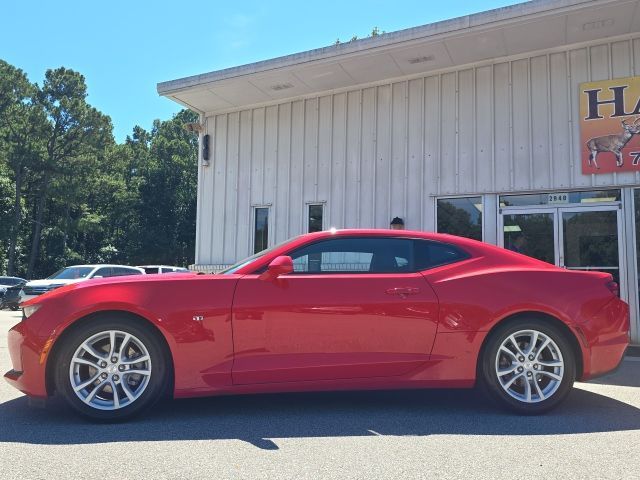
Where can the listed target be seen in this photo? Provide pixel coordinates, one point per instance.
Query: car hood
(98, 282)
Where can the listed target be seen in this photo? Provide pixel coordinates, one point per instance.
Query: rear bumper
(28, 372)
(605, 339)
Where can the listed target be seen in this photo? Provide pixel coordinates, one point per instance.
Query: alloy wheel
(110, 370)
(529, 366)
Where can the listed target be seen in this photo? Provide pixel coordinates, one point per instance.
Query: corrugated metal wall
(387, 150)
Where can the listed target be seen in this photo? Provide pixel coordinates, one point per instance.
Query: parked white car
(73, 274)
(151, 269)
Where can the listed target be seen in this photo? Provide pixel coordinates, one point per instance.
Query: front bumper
(28, 361)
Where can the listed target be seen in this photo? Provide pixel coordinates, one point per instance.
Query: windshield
(71, 273)
(255, 256)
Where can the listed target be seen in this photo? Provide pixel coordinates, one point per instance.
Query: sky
(124, 48)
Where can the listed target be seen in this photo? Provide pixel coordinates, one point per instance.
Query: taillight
(613, 287)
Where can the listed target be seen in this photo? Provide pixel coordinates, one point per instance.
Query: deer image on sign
(610, 125)
(612, 143)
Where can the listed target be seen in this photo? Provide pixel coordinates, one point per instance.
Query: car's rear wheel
(528, 366)
(111, 368)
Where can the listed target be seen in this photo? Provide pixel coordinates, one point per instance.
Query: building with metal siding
(472, 109)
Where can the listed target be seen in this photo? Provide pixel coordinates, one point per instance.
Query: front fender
(197, 327)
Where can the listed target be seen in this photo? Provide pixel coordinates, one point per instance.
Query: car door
(352, 308)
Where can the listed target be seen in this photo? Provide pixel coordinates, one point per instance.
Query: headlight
(29, 310)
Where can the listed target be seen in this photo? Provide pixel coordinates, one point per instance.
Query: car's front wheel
(111, 368)
(528, 365)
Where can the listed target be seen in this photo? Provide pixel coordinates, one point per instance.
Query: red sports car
(352, 309)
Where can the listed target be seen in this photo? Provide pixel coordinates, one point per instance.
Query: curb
(633, 351)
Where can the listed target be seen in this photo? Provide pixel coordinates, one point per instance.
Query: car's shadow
(258, 419)
(625, 376)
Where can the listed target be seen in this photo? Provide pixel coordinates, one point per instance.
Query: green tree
(69, 194)
(75, 130)
(167, 203)
(22, 123)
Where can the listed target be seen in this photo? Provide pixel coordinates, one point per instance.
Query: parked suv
(76, 273)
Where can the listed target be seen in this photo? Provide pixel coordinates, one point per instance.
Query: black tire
(14, 308)
(159, 367)
(489, 362)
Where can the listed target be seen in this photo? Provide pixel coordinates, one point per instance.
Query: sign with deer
(610, 125)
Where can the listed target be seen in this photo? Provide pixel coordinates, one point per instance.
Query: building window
(460, 216)
(261, 229)
(316, 217)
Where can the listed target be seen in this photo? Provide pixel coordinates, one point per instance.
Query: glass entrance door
(576, 238)
(590, 240)
(533, 233)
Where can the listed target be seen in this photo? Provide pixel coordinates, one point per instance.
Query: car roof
(157, 266)
(473, 247)
(96, 265)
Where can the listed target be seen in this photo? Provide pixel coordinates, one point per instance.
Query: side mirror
(279, 266)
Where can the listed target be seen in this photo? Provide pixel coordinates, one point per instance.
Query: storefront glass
(460, 216)
(531, 234)
(590, 241)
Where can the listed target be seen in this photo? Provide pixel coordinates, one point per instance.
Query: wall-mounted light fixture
(205, 150)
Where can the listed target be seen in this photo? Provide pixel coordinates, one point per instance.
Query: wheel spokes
(527, 372)
(515, 344)
(144, 373)
(94, 392)
(84, 361)
(550, 374)
(85, 384)
(507, 371)
(133, 361)
(539, 390)
(532, 344)
(93, 352)
(117, 378)
(512, 380)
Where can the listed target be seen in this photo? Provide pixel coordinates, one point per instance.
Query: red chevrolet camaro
(352, 309)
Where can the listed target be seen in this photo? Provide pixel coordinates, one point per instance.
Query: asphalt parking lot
(421, 434)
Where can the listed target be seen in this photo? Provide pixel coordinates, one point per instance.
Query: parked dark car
(6, 282)
(11, 297)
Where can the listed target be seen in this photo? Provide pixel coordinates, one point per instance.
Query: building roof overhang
(507, 31)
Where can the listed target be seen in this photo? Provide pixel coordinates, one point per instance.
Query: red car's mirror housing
(281, 265)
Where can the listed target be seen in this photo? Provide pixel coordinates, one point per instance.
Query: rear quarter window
(430, 254)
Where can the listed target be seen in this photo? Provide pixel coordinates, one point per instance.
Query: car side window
(355, 255)
(103, 272)
(121, 271)
(429, 254)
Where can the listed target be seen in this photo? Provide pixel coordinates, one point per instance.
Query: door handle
(403, 291)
